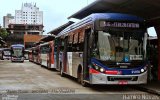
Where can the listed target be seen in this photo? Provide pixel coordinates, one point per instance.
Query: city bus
(1, 55)
(5, 53)
(36, 54)
(47, 54)
(17, 53)
(26, 54)
(30, 58)
(104, 48)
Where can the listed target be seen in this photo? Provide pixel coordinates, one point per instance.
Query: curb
(145, 89)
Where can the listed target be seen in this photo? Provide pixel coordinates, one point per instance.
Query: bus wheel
(48, 65)
(83, 83)
(61, 70)
(81, 79)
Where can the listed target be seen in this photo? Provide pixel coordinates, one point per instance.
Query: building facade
(7, 20)
(19, 33)
(27, 25)
(29, 14)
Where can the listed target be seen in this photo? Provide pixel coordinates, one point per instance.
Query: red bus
(35, 54)
(47, 54)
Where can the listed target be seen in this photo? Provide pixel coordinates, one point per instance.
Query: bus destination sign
(119, 24)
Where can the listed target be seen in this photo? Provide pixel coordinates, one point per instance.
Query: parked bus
(26, 54)
(5, 53)
(36, 54)
(30, 55)
(1, 49)
(47, 54)
(104, 48)
(17, 53)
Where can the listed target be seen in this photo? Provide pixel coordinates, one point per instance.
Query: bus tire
(79, 74)
(40, 62)
(61, 70)
(83, 83)
(80, 79)
(48, 65)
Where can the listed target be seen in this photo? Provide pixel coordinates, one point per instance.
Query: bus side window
(75, 42)
(69, 49)
(62, 46)
(79, 44)
(70, 43)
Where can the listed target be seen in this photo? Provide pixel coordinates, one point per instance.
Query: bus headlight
(142, 70)
(102, 70)
(98, 68)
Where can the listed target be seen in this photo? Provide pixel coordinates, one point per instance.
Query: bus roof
(96, 16)
(45, 43)
(17, 45)
(4, 48)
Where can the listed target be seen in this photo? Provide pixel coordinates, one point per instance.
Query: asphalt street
(28, 81)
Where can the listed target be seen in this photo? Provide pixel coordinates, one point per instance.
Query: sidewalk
(152, 87)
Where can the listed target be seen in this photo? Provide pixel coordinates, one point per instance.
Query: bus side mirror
(95, 52)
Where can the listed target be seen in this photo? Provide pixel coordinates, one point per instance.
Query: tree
(3, 33)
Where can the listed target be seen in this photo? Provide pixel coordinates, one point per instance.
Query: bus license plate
(122, 82)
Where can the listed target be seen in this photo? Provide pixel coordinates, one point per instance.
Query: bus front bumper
(118, 79)
(17, 59)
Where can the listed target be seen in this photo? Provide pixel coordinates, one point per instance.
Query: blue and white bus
(17, 53)
(104, 48)
(5, 53)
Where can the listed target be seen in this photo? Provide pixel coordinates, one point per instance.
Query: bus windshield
(7, 52)
(17, 52)
(120, 46)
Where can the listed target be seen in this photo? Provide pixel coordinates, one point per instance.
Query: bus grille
(117, 78)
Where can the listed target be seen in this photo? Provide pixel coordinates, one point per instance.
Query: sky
(55, 12)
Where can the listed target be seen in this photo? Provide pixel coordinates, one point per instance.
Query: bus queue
(103, 48)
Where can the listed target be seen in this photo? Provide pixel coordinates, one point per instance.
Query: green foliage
(3, 33)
